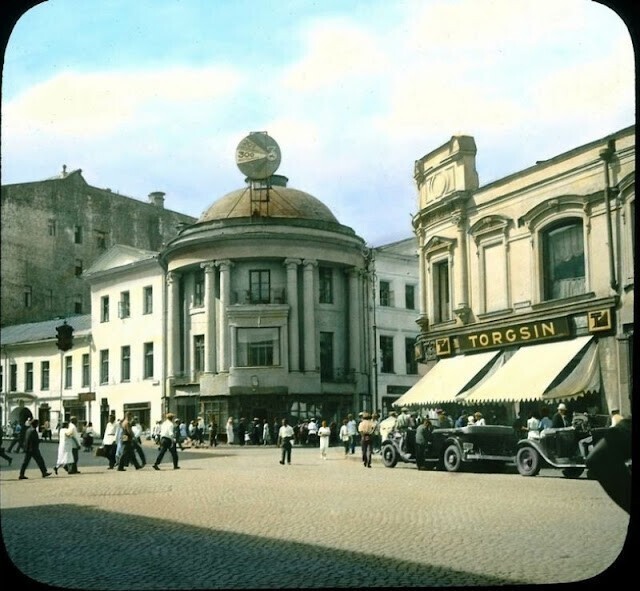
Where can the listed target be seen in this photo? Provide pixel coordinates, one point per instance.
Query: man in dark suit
(32, 450)
(560, 419)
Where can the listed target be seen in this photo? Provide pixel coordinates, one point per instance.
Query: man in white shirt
(167, 442)
(352, 430)
(73, 433)
(285, 437)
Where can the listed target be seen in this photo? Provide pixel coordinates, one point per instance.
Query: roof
(120, 255)
(283, 202)
(43, 331)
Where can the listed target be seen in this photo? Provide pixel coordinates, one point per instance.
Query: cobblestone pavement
(234, 518)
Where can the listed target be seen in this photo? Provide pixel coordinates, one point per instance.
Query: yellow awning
(535, 372)
(448, 378)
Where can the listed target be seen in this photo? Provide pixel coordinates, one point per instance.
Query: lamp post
(607, 155)
(64, 342)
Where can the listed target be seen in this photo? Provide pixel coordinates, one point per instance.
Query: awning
(550, 371)
(448, 378)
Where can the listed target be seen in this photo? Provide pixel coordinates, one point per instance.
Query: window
(13, 377)
(68, 372)
(104, 366)
(125, 363)
(77, 304)
(28, 377)
(86, 375)
(441, 303)
(386, 354)
(410, 356)
(104, 309)
(78, 269)
(410, 297)
(44, 375)
(258, 347)
(326, 285)
(259, 287)
(1, 379)
(148, 360)
(326, 355)
(52, 227)
(385, 293)
(101, 239)
(28, 296)
(563, 260)
(198, 290)
(77, 234)
(147, 300)
(198, 352)
(494, 278)
(124, 305)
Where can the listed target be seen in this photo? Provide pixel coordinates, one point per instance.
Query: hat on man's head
(366, 415)
(404, 409)
(562, 406)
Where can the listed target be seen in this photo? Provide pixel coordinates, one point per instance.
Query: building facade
(528, 282)
(53, 230)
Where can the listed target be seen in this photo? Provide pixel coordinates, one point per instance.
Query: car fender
(534, 444)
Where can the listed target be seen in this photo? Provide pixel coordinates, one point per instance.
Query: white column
(461, 283)
(225, 300)
(210, 316)
(422, 274)
(173, 322)
(294, 313)
(310, 363)
(355, 309)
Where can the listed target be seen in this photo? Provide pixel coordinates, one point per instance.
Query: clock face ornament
(258, 155)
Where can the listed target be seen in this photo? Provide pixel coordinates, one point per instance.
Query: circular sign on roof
(258, 155)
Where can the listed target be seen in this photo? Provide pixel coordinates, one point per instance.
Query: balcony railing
(247, 297)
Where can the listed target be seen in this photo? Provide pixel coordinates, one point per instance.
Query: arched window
(563, 260)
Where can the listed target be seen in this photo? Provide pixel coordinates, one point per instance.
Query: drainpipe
(607, 155)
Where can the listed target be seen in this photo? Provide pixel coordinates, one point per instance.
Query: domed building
(266, 310)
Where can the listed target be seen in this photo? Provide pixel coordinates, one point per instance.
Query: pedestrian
(561, 419)
(137, 429)
(324, 433)
(344, 436)
(109, 441)
(377, 440)
(607, 463)
(285, 436)
(65, 446)
(177, 434)
(242, 431)
(213, 433)
(128, 454)
(46, 431)
(119, 445)
(88, 435)
(155, 434)
(167, 442)
(3, 454)
(184, 433)
(18, 435)
(32, 450)
(365, 428)
(352, 430)
(229, 429)
(423, 435)
(266, 433)
(76, 444)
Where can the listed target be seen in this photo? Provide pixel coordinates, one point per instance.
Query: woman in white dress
(324, 433)
(65, 448)
(230, 430)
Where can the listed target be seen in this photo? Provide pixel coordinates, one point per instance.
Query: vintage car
(565, 448)
(455, 448)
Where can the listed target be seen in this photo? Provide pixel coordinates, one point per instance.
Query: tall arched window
(563, 260)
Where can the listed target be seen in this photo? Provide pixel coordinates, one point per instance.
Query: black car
(565, 448)
(453, 449)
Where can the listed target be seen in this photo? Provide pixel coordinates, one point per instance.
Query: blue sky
(156, 95)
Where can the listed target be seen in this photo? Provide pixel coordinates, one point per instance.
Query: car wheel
(452, 458)
(528, 461)
(389, 456)
(572, 472)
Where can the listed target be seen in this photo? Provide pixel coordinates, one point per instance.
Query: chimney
(64, 170)
(157, 199)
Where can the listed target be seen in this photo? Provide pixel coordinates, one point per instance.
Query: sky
(155, 95)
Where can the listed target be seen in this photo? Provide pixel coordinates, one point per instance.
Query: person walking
(324, 433)
(88, 435)
(365, 428)
(109, 441)
(76, 445)
(285, 436)
(213, 433)
(344, 437)
(65, 449)
(138, 431)
(230, 431)
(266, 433)
(167, 442)
(128, 454)
(352, 430)
(32, 450)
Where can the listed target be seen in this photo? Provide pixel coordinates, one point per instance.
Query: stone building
(52, 230)
(528, 281)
